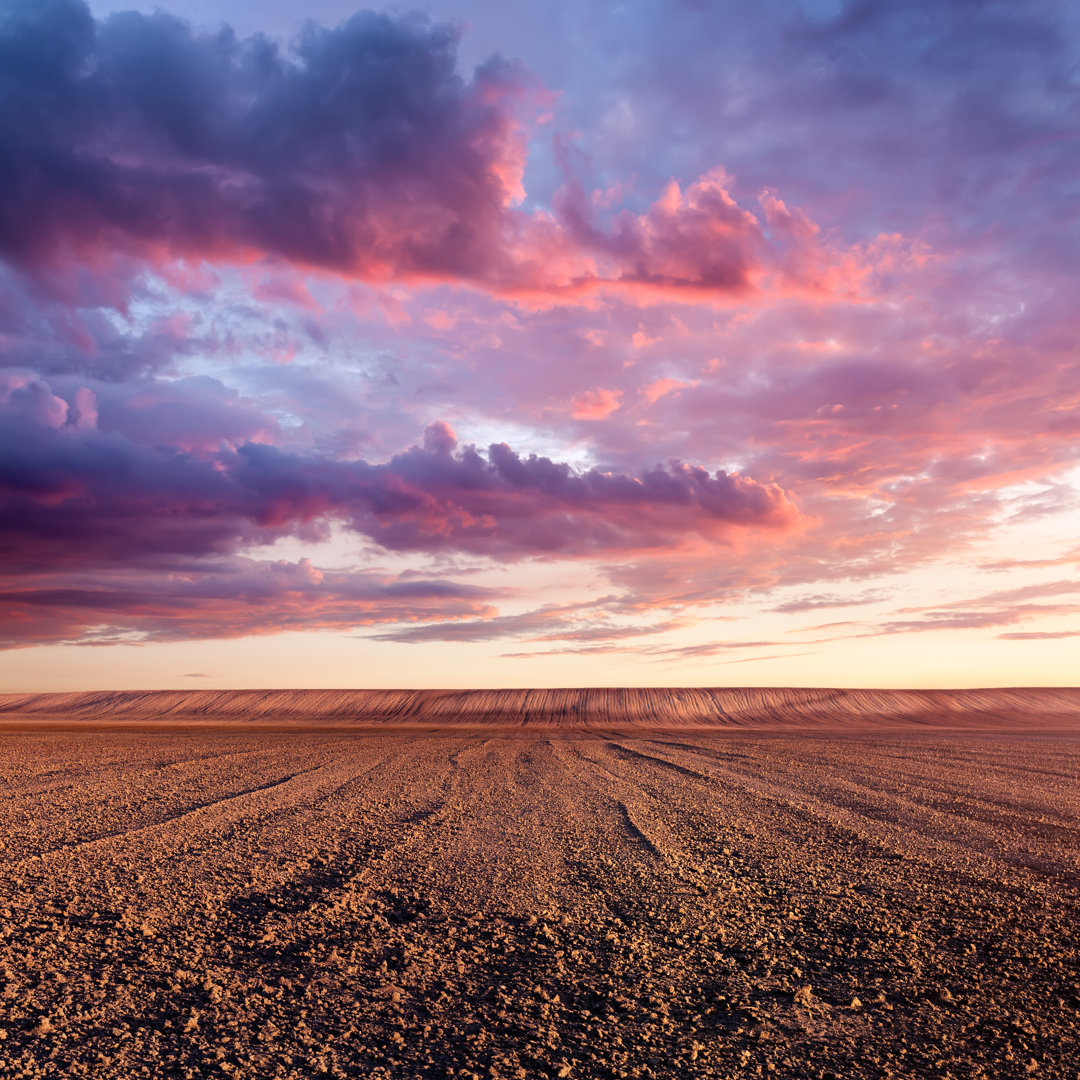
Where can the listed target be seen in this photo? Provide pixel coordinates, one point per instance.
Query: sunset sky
(539, 344)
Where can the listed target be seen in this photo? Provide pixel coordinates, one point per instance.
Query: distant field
(510, 902)
(598, 707)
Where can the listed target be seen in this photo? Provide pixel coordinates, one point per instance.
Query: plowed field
(538, 903)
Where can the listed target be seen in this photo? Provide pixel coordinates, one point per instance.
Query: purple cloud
(361, 151)
(77, 498)
(216, 598)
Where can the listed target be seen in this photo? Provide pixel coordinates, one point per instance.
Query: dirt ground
(493, 905)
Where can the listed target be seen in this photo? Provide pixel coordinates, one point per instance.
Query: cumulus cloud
(595, 404)
(74, 493)
(361, 150)
(155, 487)
(691, 243)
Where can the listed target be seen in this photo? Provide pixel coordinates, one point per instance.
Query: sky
(539, 344)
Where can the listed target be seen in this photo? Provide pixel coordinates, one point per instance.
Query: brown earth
(532, 902)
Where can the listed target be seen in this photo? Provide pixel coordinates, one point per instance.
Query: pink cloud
(77, 502)
(362, 153)
(284, 286)
(909, 373)
(654, 391)
(595, 404)
(225, 598)
(690, 244)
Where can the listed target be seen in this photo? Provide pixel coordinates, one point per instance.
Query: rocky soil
(539, 905)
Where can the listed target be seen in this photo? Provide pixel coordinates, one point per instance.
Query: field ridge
(590, 707)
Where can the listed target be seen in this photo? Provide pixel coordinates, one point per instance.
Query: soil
(538, 903)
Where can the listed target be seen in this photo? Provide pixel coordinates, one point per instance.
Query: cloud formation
(217, 598)
(720, 307)
(86, 490)
(68, 488)
(361, 151)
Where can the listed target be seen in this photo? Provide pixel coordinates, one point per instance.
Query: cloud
(71, 493)
(492, 629)
(775, 656)
(660, 387)
(507, 505)
(87, 489)
(827, 600)
(585, 622)
(362, 150)
(1069, 558)
(692, 243)
(717, 648)
(216, 598)
(67, 320)
(941, 117)
(1004, 607)
(237, 277)
(959, 619)
(595, 404)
